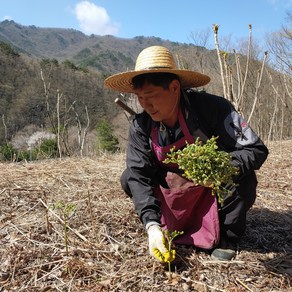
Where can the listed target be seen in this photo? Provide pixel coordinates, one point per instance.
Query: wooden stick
(124, 106)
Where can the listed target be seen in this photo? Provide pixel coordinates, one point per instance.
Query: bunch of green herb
(205, 165)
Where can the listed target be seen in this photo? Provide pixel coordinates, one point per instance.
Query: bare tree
(215, 30)
(227, 72)
(243, 80)
(258, 84)
(59, 116)
(201, 38)
(59, 95)
(280, 46)
(5, 127)
(81, 136)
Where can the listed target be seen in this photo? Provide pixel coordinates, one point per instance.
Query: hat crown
(155, 57)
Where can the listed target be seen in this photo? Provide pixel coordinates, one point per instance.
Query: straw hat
(155, 59)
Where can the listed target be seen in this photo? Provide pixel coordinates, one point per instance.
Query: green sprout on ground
(170, 236)
(66, 211)
(205, 165)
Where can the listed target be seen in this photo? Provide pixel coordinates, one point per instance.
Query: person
(175, 113)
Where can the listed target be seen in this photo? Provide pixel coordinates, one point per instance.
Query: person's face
(161, 104)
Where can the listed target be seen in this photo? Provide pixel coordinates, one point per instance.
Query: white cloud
(94, 19)
(7, 17)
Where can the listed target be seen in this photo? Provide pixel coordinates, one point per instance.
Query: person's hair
(157, 79)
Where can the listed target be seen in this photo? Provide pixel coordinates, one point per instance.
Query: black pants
(232, 216)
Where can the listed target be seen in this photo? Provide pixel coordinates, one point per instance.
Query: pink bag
(189, 208)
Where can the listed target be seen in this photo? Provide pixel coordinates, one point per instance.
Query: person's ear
(174, 85)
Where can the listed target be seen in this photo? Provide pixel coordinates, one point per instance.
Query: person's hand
(207, 184)
(157, 247)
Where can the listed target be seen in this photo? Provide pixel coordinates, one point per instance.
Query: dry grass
(107, 246)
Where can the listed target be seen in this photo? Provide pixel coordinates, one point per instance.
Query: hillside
(107, 245)
(106, 54)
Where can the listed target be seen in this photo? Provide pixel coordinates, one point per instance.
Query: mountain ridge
(62, 44)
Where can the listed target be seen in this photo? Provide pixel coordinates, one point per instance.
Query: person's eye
(152, 96)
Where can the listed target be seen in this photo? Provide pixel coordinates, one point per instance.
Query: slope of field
(105, 246)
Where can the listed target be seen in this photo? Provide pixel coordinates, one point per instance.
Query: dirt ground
(66, 225)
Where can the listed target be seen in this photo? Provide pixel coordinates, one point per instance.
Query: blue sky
(167, 19)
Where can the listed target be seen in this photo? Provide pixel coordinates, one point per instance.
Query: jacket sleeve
(235, 135)
(142, 172)
(249, 151)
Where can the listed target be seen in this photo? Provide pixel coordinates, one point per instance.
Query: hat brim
(122, 82)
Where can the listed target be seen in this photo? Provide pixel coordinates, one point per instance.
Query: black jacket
(206, 116)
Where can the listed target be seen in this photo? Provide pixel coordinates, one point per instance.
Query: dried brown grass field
(106, 246)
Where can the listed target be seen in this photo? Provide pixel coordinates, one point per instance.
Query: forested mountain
(41, 68)
(106, 54)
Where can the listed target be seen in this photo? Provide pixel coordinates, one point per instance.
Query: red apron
(186, 207)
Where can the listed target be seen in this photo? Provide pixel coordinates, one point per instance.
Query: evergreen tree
(107, 141)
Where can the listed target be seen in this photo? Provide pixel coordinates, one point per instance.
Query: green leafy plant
(48, 148)
(205, 165)
(7, 152)
(170, 236)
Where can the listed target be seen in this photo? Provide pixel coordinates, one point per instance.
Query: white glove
(157, 245)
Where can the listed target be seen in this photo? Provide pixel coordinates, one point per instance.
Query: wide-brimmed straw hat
(155, 59)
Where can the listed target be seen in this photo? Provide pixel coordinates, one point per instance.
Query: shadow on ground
(268, 239)
(268, 231)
